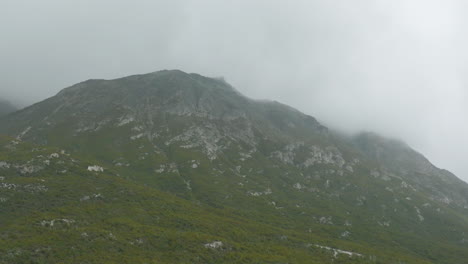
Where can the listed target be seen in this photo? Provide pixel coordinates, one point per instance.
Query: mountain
(6, 107)
(202, 142)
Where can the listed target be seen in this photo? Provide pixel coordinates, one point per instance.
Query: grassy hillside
(56, 211)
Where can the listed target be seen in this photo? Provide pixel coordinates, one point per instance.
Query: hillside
(59, 209)
(201, 143)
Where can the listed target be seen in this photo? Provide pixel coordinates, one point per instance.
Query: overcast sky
(397, 67)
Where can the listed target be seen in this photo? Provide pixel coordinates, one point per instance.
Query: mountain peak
(168, 94)
(153, 81)
(172, 72)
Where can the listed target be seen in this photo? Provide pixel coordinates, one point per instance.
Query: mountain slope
(398, 159)
(199, 139)
(60, 209)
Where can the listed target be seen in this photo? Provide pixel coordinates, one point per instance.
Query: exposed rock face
(95, 168)
(214, 245)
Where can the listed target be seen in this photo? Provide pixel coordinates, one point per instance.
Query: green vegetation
(63, 213)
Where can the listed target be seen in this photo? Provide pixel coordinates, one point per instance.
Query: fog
(396, 67)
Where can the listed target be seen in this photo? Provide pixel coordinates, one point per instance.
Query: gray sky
(397, 67)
